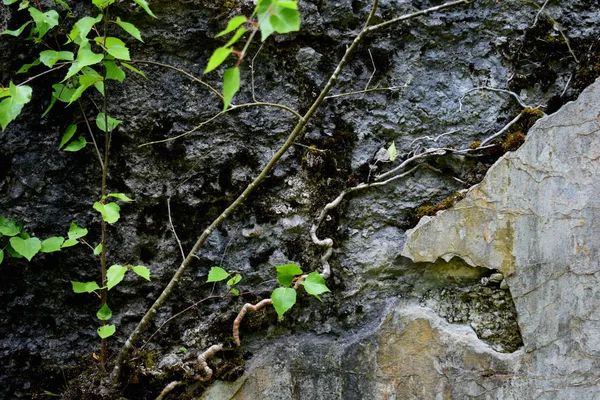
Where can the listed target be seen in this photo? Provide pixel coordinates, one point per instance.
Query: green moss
(513, 141)
(475, 144)
(442, 205)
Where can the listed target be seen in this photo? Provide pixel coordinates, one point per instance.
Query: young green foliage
(106, 331)
(283, 299)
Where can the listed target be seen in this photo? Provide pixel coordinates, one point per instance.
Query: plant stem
(104, 292)
(298, 130)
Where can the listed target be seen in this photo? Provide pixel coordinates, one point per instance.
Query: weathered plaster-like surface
(536, 218)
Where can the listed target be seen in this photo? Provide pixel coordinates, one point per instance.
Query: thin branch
(537, 16)
(503, 130)
(252, 71)
(41, 74)
(297, 131)
(375, 89)
(417, 14)
(173, 229)
(491, 89)
(374, 70)
(87, 122)
(238, 320)
(192, 77)
(220, 113)
(176, 316)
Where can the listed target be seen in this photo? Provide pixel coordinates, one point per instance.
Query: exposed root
(169, 388)
(202, 365)
(242, 313)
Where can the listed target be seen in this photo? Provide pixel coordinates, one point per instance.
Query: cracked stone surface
(535, 217)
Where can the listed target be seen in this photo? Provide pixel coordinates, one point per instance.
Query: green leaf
(9, 2)
(85, 57)
(25, 68)
(238, 34)
(69, 243)
(129, 67)
(106, 331)
(98, 250)
(85, 81)
(82, 28)
(233, 24)
(114, 275)
(217, 274)
(26, 247)
(51, 57)
(183, 349)
(392, 151)
(11, 107)
(130, 28)
(217, 58)
(102, 4)
(115, 47)
(9, 227)
(142, 271)
(11, 252)
(110, 211)
(112, 122)
(235, 280)
(283, 300)
(104, 313)
(62, 93)
(231, 84)
(277, 16)
(113, 71)
(286, 274)
(43, 21)
(76, 232)
(315, 284)
(234, 291)
(65, 5)
(1, 255)
(84, 287)
(15, 32)
(119, 196)
(71, 129)
(52, 244)
(76, 145)
(144, 5)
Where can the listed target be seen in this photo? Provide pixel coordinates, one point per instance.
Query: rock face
(382, 305)
(535, 218)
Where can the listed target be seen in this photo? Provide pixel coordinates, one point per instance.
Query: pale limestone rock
(536, 218)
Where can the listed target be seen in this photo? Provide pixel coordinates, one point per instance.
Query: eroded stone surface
(535, 218)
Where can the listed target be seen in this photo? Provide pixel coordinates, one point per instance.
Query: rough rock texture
(535, 218)
(47, 334)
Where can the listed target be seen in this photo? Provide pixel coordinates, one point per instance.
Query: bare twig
(375, 89)
(491, 89)
(87, 123)
(537, 16)
(297, 131)
(220, 113)
(252, 72)
(191, 76)
(173, 228)
(503, 130)
(238, 320)
(374, 70)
